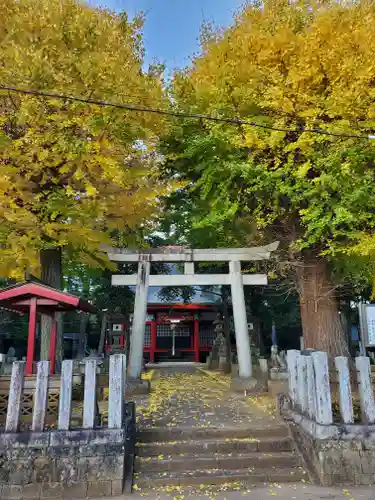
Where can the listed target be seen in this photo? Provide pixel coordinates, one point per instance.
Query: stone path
(196, 436)
(187, 397)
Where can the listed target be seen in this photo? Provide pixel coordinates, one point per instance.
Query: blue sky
(172, 27)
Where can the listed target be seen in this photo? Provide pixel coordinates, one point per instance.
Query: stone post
(311, 389)
(346, 402)
(89, 397)
(66, 390)
(139, 320)
(292, 355)
(40, 397)
(323, 389)
(240, 320)
(302, 383)
(117, 385)
(366, 393)
(15, 397)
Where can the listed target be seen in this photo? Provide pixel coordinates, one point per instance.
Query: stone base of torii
(143, 280)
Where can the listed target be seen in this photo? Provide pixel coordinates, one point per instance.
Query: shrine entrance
(174, 339)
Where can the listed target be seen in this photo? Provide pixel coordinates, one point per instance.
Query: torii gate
(143, 280)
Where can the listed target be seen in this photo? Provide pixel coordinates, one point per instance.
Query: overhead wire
(185, 115)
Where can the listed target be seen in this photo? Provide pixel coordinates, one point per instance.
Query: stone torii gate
(143, 280)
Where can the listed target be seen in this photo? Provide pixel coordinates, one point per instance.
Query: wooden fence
(116, 399)
(310, 383)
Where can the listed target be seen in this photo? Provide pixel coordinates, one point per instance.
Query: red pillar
(31, 337)
(122, 338)
(196, 339)
(153, 340)
(52, 345)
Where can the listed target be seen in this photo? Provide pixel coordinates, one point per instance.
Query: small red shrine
(176, 331)
(33, 298)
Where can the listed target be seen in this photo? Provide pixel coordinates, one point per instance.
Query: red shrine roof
(18, 298)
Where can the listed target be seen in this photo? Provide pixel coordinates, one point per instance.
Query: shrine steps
(190, 457)
(165, 435)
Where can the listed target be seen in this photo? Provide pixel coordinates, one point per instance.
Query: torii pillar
(245, 367)
(139, 319)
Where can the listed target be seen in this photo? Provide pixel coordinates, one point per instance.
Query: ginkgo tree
(73, 176)
(288, 67)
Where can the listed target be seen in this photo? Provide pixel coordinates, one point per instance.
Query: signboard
(370, 324)
(367, 326)
(167, 318)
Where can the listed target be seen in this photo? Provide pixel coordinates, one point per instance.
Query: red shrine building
(178, 331)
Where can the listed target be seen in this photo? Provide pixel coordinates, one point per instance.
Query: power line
(178, 114)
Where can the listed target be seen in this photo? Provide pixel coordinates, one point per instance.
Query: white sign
(370, 317)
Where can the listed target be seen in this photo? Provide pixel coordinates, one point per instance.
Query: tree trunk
(258, 336)
(51, 274)
(82, 335)
(321, 325)
(103, 331)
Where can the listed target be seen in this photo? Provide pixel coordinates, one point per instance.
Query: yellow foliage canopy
(306, 57)
(72, 173)
(294, 66)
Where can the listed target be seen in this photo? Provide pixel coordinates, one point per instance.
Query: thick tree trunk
(322, 328)
(51, 274)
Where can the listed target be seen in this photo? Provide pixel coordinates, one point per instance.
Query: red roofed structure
(36, 297)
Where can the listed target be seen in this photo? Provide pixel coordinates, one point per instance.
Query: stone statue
(279, 369)
(11, 355)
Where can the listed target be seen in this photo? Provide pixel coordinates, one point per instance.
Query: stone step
(217, 461)
(196, 434)
(219, 477)
(244, 445)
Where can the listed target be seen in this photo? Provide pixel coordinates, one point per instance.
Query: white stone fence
(116, 403)
(310, 390)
